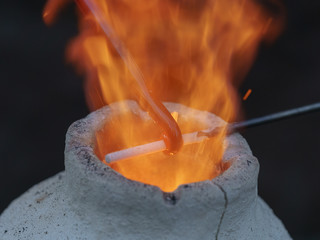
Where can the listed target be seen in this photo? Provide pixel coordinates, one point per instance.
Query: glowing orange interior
(193, 163)
(189, 52)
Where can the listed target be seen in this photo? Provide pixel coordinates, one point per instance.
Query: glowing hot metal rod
(154, 107)
(200, 136)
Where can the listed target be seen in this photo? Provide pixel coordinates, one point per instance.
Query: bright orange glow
(248, 93)
(189, 52)
(175, 116)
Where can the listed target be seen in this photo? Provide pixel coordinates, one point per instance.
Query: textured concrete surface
(91, 201)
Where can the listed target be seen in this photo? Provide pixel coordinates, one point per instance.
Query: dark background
(41, 96)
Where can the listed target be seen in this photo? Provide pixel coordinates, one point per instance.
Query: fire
(189, 52)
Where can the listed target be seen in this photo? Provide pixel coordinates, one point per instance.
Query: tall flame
(189, 52)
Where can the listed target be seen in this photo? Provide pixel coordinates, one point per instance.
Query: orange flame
(189, 52)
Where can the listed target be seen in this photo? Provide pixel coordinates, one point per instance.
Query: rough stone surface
(92, 201)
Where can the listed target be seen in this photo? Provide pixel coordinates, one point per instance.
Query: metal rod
(150, 148)
(156, 110)
(196, 137)
(237, 126)
(117, 43)
(277, 116)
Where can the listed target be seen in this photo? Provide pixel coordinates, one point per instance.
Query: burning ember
(189, 52)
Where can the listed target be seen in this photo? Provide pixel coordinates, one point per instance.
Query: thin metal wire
(118, 45)
(237, 126)
(276, 116)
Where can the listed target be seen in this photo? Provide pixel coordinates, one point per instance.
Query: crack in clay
(224, 210)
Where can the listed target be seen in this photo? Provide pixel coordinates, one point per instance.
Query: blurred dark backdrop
(41, 96)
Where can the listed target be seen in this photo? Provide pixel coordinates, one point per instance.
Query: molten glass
(189, 51)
